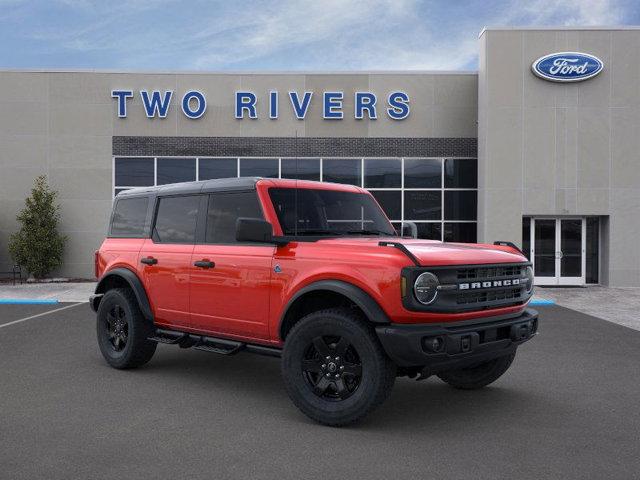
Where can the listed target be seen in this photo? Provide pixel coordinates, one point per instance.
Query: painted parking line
(41, 314)
(28, 301)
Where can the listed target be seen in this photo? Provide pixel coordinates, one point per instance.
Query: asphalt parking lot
(568, 408)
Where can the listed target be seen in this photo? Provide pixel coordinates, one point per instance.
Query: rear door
(165, 258)
(230, 281)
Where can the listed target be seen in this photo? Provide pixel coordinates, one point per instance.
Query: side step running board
(221, 346)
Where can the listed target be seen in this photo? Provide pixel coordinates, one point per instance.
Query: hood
(434, 253)
(444, 253)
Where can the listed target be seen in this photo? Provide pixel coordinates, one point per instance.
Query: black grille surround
(465, 288)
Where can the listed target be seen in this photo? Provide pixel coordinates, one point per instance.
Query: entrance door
(558, 250)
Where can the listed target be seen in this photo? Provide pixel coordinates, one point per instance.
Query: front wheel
(334, 368)
(478, 376)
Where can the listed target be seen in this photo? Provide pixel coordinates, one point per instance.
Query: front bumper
(441, 347)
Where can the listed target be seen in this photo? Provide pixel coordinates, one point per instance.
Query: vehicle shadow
(428, 404)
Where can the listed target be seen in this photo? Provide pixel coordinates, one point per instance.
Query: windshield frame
(337, 233)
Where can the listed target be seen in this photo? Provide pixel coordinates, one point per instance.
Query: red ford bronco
(313, 273)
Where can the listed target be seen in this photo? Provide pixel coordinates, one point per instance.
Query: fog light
(434, 344)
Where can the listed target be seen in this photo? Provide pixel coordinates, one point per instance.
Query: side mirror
(409, 229)
(255, 230)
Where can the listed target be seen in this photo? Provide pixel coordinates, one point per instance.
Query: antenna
(295, 195)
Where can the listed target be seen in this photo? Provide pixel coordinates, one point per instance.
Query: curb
(542, 302)
(27, 301)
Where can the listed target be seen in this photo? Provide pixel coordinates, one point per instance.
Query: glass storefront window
(407, 189)
(301, 168)
(422, 205)
(175, 170)
(211, 168)
(259, 167)
(593, 249)
(460, 232)
(526, 236)
(134, 172)
(382, 173)
(460, 205)
(430, 231)
(422, 173)
(342, 170)
(460, 173)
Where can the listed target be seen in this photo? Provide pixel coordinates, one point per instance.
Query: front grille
(491, 296)
(484, 273)
(467, 288)
(513, 293)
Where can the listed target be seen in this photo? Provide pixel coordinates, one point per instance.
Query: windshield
(328, 212)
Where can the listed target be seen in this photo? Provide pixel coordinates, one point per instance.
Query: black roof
(203, 186)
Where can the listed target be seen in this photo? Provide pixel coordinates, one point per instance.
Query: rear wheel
(123, 331)
(334, 367)
(478, 376)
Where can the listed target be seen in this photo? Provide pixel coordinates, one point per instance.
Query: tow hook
(521, 331)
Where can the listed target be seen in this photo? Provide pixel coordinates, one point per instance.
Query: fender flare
(135, 284)
(362, 299)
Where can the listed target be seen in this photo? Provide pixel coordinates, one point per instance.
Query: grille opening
(489, 272)
(489, 296)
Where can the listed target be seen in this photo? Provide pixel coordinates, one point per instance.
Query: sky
(278, 35)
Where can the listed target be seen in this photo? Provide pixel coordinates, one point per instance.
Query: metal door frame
(558, 279)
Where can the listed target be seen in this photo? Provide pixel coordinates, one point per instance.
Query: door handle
(149, 261)
(204, 264)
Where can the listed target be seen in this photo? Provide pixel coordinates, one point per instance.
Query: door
(165, 259)
(558, 250)
(230, 281)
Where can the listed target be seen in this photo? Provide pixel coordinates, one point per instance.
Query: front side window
(176, 219)
(328, 212)
(224, 209)
(129, 215)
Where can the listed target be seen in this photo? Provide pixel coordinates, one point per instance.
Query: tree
(38, 246)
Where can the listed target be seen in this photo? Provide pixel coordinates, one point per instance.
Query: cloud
(283, 34)
(569, 12)
(383, 35)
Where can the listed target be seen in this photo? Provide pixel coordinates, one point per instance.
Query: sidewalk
(615, 304)
(62, 292)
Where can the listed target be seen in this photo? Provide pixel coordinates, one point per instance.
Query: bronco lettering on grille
(490, 284)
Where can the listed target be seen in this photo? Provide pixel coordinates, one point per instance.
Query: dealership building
(540, 146)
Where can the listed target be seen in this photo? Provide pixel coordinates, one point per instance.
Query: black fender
(135, 284)
(362, 299)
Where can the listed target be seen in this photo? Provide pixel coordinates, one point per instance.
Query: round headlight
(529, 274)
(426, 288)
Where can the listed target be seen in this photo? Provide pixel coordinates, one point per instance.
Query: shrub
(37, 246)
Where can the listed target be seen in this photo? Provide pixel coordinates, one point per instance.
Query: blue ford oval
(567, 66)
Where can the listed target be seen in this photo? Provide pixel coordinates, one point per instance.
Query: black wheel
(334, 367)
(478, 376)
(123, 331)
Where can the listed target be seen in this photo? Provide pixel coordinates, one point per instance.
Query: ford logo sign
(567, 66)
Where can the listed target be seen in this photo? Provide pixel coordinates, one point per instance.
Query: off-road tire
(137, 349)
(377, 372)
(478, 376)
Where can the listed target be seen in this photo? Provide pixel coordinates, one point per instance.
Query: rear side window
(129, 215)
(224, 209)
(176, 219)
